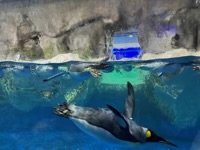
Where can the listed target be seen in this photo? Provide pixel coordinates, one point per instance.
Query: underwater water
(167, 94)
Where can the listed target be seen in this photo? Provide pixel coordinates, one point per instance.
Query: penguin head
(153, 137)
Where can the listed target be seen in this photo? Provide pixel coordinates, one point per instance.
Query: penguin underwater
(83, 71)
(109, 124)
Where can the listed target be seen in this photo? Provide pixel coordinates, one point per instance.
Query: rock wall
(35, 29)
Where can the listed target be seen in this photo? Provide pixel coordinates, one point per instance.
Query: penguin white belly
(98, 132)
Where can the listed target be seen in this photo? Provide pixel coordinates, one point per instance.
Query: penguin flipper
(160, 74)
(55, 76)
(122, 122)
(130, 101)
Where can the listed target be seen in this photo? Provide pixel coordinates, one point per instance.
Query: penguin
(82, 71)
(109, 124)
(195, 67)
(162, 67)
(78, 72)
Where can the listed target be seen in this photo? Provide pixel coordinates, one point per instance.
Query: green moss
(49, 53)
(84, 53)
(14, 50)
(71, 95)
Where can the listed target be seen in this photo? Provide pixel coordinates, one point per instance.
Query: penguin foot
(95, 72)
(63, 110)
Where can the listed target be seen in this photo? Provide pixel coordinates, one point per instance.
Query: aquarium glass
(167, 100)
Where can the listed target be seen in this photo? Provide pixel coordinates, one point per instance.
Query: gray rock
(44, 28)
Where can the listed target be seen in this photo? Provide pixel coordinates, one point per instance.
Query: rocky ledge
(43, 29)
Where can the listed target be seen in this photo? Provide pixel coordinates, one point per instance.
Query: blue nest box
(125, 45)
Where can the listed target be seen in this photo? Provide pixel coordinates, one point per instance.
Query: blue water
(167, 103)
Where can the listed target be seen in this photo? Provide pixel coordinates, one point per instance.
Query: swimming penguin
(164, 67)
(109, 124)
(87, 69)
(195, 67)
(161, 67)
(82, 71)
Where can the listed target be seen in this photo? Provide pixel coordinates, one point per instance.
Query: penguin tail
(63, 110)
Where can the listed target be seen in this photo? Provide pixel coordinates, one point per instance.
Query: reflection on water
(167, 101)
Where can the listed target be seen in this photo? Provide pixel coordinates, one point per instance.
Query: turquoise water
(167, 103)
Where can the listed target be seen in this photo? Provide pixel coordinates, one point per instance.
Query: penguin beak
(153, 137)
